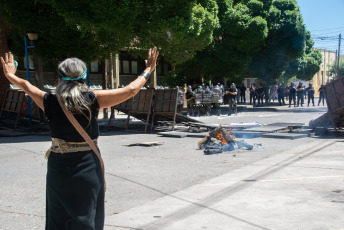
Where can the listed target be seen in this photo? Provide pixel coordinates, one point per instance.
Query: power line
(327, 34)
(330, 29)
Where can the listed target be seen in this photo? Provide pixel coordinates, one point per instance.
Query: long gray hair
(70, 92)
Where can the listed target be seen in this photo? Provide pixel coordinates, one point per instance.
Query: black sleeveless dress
(75, 186)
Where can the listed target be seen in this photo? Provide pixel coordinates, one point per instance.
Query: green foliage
(179, 28)
(307, 65)
(333, 68)
(92, 29)
(256, 38)
(56, 39)
(284, 44)
(241, 33)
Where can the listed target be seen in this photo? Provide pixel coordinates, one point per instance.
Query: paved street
(280, 184)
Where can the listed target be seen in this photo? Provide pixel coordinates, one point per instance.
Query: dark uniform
(321, 95)
(300, 91)
(253, 94)
(266, 94)
(260, 95)
(310, 90)
(232, 101)
(280, 94)
(190, 98)
(243, 93)
(292, 94)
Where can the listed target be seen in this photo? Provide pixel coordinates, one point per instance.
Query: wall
(323, 77)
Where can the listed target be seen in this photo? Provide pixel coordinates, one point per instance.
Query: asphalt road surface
(137, 175)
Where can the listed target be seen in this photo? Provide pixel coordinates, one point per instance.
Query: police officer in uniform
(207, 101)
(310, 91)
(198, 99)
(280, 94)
(260, 95)
(180, 100)
(190, 100)
(217, 99)
(243, 93)
(292, 94)
(233, 92)
(321, 95)
(300, 94)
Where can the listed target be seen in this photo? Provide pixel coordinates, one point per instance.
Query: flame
(220, 137)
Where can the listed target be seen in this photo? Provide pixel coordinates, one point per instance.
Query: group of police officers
(294, 94)
(204, 98)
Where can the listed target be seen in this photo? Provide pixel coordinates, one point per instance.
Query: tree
(241, 33)
(256, 38)
(57, 40)
(306, 66)
(333, 68)
(284, 44)
(91, 29)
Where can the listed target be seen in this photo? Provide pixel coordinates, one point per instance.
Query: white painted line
(276, 180)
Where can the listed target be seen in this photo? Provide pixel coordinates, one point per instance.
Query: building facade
(323, 76)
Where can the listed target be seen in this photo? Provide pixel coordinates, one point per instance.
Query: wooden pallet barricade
(141, 106)
(334, 95)
(165, 106)
(123, 107)
(12, 104)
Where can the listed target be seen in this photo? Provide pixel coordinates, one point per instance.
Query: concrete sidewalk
(302, 188)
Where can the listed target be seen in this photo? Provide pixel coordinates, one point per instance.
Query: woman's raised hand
(152, 58)
(8, 64)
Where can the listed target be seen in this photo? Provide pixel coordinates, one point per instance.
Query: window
(94, 67)
(126, 67)
(134, 67)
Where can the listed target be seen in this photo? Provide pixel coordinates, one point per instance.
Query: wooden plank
(267, 128)
(247, 134)
(291, 136)
(183, 134)
(146, 144)
(173, 134)
(285, 124)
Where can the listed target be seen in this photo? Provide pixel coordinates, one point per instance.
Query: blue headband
(81, 77)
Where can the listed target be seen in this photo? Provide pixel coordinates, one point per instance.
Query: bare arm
(108, 98)
(9, 70)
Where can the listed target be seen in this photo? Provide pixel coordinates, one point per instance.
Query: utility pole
(338, 56)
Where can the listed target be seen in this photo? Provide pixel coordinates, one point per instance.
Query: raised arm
(9, 70)
(108, 98)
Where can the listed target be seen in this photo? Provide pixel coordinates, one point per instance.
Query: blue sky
(325, 20)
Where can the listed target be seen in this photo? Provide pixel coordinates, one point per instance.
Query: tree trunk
(104, 85)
